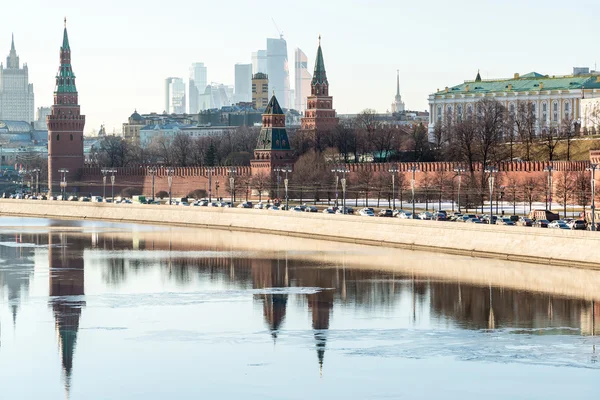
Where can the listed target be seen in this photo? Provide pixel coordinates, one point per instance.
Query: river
(92, 310)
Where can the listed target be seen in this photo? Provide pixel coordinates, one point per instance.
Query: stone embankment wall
(548, 246)
(188, 179)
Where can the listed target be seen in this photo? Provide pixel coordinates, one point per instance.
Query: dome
(135, 116)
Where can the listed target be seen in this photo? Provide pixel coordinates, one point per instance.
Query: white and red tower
(65, 125)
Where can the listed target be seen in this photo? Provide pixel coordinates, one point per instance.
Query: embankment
(546, 246)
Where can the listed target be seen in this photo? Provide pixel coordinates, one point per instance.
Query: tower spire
(397, 82)
(319, 77)
(478, 77)
(12, 44)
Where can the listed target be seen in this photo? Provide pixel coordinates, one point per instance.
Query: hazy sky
(123, 50)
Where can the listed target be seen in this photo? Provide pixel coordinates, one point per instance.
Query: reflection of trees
(470, 307)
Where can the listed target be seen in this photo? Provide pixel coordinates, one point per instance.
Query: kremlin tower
(320, 115)
(65, 124)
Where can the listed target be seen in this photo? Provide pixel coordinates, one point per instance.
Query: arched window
(544, 111)
(555, 111)
(567, 109)
(459, 111)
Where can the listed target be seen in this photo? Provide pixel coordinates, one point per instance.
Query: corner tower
(319, 115)
(65, 124)
(273, 146)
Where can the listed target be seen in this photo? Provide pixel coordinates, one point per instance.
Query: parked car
(558, 225)
(329, 210)
(440, 216)
(543, 215)
(296, 209)
(366, 212)
(541, 223)
(405, 215)
(311, 209)
(349, 210)
(473, 221)
(245, 204)
(524, 221)
(426, 215)
(578, 224)
(505, 221)
(386, 213)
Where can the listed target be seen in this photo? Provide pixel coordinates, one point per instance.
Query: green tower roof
(319, 76)
(65, 79)
(273, 107)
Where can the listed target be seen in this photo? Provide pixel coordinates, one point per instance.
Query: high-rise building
(40, 122)
(260, 91)
(398, 104)
(278, 70)
(243, 83)
(65, 125)
(196, 86)
(16, 93)
(174, 96)
(302, 80)
(216, 95)
(319, 115)
(259, 62)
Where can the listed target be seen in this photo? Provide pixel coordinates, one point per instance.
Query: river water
(92, 310)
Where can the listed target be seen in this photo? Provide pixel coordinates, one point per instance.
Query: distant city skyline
(122, 70)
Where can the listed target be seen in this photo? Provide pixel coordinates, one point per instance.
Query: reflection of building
(66, 281)
(16, 93)
(268, 274)
(260, 91)
(302, 80)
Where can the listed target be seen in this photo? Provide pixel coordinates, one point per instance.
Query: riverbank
(543, 246)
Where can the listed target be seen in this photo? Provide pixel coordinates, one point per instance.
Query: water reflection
(281, 283)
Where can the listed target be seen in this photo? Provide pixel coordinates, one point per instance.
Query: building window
(544, 112)
(459, 111)
(555, 111)
(57, 138)
(71, 137)
(567, 109)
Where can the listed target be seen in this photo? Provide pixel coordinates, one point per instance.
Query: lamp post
(285, 170)
(152, 172)
(232, 172)
(210, 172)
(393, 171)
(413, 182)
(343, 181)
(37, 180)
(499, 196)
(491, 179)
(549, 169)
(63, 181)
(459, 171)
(217, 189)
(592, 168)
(170, 172)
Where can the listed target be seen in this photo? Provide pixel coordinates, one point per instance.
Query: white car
(405, 215)
(365, 212)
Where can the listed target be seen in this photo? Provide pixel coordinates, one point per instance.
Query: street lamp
(152, 172)
(592, 168)
(105, 172)
(413, 169)
(63, 181)
(459, 171)
(393, 171)
(232, 172)
(210, 172)
(286, 170)
(549, 169)
(217, 188)
(170, 172)
(343, 181)
(37, 180)
(491, 179)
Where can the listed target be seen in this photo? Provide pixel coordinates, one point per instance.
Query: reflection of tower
(271, 274)
(66, 281)
(321, 304)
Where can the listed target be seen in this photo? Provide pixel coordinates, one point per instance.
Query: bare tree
(564, 189)
(568, 132)
(365, 181)
(550, 139)
(260, 183)
(525, 122)
(583, 189)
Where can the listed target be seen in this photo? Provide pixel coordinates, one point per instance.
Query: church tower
(65, 124)
(398, 105)
(319, 115)
(273, 146)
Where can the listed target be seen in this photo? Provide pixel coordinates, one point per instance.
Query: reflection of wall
(66, 281)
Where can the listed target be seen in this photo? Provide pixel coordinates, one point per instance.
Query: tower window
(71, 137)
(57, 138)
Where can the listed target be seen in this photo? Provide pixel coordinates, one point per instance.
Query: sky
(123, 50)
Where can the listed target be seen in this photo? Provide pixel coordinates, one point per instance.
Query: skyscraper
(243, 82)
(259, 62)
(196, 86)
(302, 80)
(278, 70)
(174, 96)
(65, 124)
(16, 93)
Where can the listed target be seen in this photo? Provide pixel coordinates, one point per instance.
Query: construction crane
(278, 30)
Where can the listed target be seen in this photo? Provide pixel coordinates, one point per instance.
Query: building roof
(65, 79)
(273, 107)
(15, 127)
(531, 82)
(319, 76)
(135, 116)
